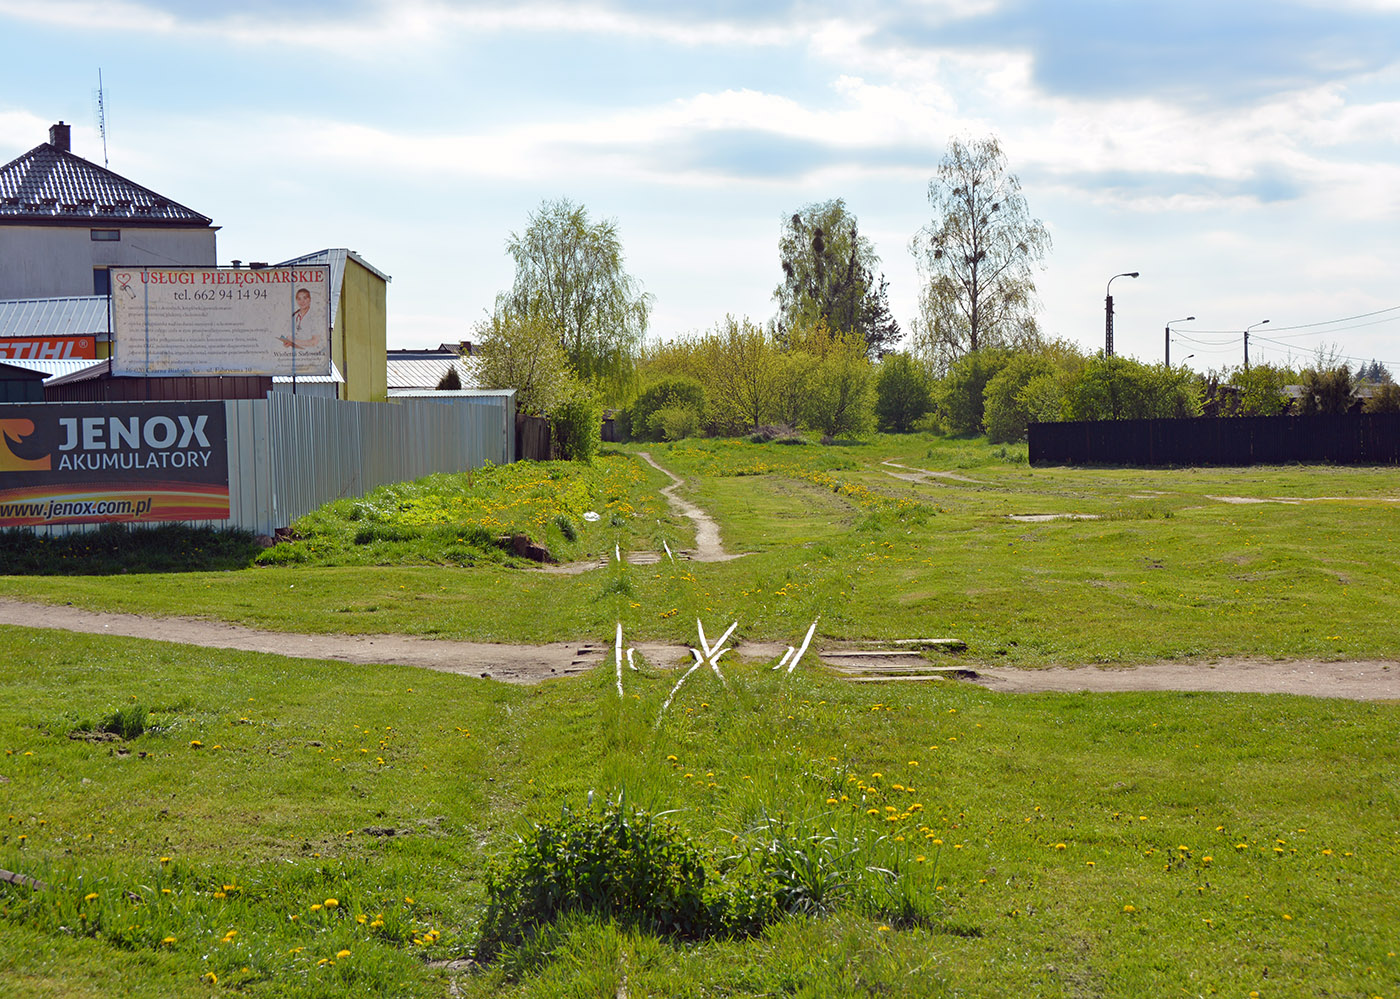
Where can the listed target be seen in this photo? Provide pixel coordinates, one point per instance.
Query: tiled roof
(48, 184)
(72, 316)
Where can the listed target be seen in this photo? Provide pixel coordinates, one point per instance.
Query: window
(105, 235)
(101, 281)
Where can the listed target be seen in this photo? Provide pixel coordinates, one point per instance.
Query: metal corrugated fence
(289, 454)
(1350, 439)
(320, 449)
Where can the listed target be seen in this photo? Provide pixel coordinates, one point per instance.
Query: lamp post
(1108, 312)
(1188, 319)
(1246, 340)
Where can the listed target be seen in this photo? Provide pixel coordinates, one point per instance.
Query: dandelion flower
(90, 896)
(168, 941)
(211, 978)
(331, 903)
(316, 908)
(165, 860)
(342, 954)
(196, 744)
(1130, 908)
(1060, 846)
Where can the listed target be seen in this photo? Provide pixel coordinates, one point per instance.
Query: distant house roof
(335, 258)
(72, 316)
(19, 372)
(50, 185)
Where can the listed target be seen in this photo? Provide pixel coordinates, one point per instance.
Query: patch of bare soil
(1363, 680)
(1358, 680)
(923, 474)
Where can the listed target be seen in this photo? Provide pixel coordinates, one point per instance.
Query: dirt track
(1365, 680)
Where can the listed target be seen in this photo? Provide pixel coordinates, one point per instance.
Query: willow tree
(570, 275)
(977, 255)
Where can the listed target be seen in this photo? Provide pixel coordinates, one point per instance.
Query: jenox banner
(229, 321)
(88, 463)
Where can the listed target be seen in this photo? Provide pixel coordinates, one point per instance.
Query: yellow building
(359, 322)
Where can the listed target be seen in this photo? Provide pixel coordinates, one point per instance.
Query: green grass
(1169, 571)
(303, 768)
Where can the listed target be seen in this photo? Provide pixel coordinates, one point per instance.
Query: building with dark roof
(64, 221)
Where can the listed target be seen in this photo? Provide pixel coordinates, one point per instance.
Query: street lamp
(1246, 340)
(1188, 319)
(1108, 312)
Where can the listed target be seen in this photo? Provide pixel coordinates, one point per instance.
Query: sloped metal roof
(76, 315)
(335, 258)
(55, 368)
(48, 184)
(425, 374)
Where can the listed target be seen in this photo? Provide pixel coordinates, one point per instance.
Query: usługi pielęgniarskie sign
(210, 320)
(125, 462)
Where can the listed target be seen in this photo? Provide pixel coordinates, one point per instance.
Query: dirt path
(707, 543)
(1356, 680)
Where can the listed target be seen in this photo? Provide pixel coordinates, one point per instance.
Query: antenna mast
(102, 116)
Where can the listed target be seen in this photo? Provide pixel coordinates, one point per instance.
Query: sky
(1242, 155)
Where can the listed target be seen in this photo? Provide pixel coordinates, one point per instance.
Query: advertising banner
(211, 321)
(128, 462)
(48, 348)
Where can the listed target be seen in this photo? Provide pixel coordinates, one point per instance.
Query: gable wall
(45, 261)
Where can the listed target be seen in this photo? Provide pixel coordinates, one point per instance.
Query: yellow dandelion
(1130, 908)
(331, 903)
(90, 896)
(1060, 846)
(342, 954)
(163, 860)
(168, 941)
(196, 744)
(210, 977)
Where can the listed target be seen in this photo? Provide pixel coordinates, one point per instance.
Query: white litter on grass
(592, 516)
(617, 551)
(805, 642)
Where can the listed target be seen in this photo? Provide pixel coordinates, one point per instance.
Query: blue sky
(1241, 155)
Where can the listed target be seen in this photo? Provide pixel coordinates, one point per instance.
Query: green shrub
(566, 527)
(578, 426)
(675, 392)
(674, 423)
(961, 396)
(1006, 411)
(621, 863)
(902, 393)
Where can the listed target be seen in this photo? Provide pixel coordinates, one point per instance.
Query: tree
(1119, 388)
(902, 394)
(839, 399)
(523, 352)
(742, 374)
(977, 256)
(1326, 390)
(569, 275)
(828, 274)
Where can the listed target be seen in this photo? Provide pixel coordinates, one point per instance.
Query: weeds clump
(123, 548)
(622, 863)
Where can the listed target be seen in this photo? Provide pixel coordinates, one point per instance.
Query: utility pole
(1168, 355)
(1246, 341)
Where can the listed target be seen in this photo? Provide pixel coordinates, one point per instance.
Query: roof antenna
(102, 116)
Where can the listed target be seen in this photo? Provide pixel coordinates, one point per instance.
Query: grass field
(1048, 845)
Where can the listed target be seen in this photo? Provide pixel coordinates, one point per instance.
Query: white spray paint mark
(630, 663)
(703, 644)
(617, 649)
(805, 642)
(790, 651)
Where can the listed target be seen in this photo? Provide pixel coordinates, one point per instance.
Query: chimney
(59, 137)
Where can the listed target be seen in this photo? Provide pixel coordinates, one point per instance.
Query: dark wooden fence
(534, 440)
(1352, 439)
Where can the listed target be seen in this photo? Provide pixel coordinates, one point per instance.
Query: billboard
(118, 462)
(212, 321)
(48, 348)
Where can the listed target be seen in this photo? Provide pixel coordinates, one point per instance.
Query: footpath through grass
(1288, 562)
(299, 828)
